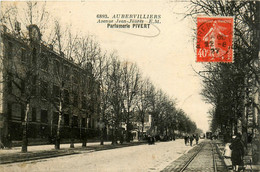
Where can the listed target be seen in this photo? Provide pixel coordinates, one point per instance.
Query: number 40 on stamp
(215, 39)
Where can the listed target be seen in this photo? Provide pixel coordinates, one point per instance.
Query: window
(55, 118)
(75, 77)
(22, 113)
(33, 114)
(75, 121)
(66, 72)
(66, 119)
(44, 89)
(9, 110)
(44, 116)
(34, 80)
(75, 102)
(90, 122)
(9, 84)
(44, 62)
(56, 67)
(84, 103)
(56, 93)
(22, 86)
(83, 122)
(23, 55)
(10, 50)
(66, 97)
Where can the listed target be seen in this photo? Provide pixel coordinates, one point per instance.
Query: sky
(168, 59)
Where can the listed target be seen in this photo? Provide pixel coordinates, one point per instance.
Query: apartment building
(40, 82)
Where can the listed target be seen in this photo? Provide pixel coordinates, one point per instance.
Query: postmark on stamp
(215, 39)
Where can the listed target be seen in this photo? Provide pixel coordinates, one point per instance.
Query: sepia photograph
(130, 86)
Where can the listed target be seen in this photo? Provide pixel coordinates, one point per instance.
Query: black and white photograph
(130, 86)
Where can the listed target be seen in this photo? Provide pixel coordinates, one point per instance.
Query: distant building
(139, 130)
(30, 70)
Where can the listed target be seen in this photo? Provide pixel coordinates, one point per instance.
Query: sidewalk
(47, 151)
(247, 158)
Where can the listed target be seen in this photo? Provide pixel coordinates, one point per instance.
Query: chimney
(17, 26)
(51, 46)
(3, 28)
(62, 54)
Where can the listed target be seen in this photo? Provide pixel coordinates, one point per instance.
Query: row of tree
(124, 96)
(233, 89)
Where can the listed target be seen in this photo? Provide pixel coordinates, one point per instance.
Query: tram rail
(213, 152)
(213, 157)
(192, 158)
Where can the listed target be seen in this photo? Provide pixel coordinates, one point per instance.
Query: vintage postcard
(129, 85)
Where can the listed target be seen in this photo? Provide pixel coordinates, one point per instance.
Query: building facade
(38, 84)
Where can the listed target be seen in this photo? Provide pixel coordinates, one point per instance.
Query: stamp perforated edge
(233, 34)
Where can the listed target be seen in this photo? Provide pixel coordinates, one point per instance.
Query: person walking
(237, 153)
(185, 140)
(197, 139)
(191, 139)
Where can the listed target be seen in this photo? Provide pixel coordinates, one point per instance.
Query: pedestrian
(173, 137)
(197, 139)
(191, 139)
(121, 138)
(185, 140)
(237, 153)
(227, 151)
(150, 140)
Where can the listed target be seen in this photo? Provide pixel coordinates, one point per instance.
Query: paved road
(136, 158)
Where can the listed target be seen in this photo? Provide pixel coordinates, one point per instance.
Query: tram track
(213, 157)
(217, 164)
(192, 157)
(203, 157)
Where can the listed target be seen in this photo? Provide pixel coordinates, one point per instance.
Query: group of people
(188, 139)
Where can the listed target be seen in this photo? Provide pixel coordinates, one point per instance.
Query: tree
(23, 77)
(234, 81)
(21, 71)
(143, 104)
(116, 97)
(105, 85)
(33, 13)
(130, 84)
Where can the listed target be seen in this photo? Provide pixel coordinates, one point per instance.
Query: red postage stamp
(215, 39)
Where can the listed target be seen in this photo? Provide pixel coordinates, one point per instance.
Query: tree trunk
(84, 138)
(128, 135)
(102, 131)
(72, 137)
(57, 142)
(102, 136)
(113, 136)
(24, 124)
(142, 135)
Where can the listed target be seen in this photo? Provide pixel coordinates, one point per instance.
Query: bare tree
(130, 82)
(20, 72)
(105, 85)
(21, 76)
(230, 87)
(17, 18)
(115, 97)
(143, 103)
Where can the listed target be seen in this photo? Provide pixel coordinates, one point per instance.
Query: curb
(29, 156)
